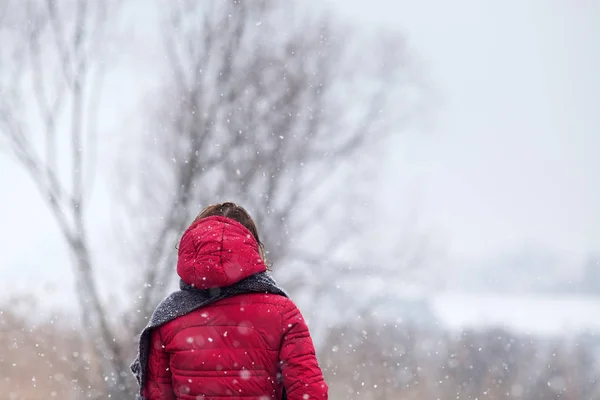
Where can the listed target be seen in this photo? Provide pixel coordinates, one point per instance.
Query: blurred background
(425, 176)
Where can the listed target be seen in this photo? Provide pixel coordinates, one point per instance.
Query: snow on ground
(537, 315)
(529, 314)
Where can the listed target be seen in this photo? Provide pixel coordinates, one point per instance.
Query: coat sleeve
(302, 376)
(158, 374)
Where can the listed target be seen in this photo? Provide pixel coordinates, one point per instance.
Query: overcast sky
(510, 158)
(513, 157)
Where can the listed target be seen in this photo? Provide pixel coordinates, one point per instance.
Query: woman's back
(233, 347)
(250, 346)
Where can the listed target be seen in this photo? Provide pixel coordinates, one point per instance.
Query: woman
(230, 332)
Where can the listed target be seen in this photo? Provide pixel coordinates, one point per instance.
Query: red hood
(217, 252)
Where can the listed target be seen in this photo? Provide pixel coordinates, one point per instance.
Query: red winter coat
(248, 347)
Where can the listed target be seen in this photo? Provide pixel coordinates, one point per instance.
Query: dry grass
(367, 362)
(41, 360)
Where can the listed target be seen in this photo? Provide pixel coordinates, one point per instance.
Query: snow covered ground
(536, 315)
(528, 314)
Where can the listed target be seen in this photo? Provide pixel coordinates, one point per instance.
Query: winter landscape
(424, 175)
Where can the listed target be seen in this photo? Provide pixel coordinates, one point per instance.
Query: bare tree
(49, 94)
(261, 104)
(263, 107)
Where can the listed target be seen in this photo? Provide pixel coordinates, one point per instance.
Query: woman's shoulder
(268, 311)
(243, 304)
(255, 298)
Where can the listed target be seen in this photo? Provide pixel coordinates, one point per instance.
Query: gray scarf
(187, 300)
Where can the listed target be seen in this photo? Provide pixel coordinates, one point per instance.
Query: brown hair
(236, 213)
